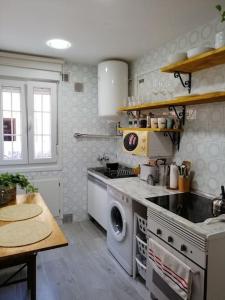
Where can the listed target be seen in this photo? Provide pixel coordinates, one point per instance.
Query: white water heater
(112, 87)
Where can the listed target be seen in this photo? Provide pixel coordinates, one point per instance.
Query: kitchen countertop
(138, 190)
(98, 175)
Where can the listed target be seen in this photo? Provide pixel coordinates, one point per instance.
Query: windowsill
(31, 168)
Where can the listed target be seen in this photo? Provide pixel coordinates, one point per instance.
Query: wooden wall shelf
(180, 101)
(198, 62)
(149, 129)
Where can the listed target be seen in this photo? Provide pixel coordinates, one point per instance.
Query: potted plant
(8, 184)
(220, 36)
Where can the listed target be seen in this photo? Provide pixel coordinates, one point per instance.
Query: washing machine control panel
(118, 195)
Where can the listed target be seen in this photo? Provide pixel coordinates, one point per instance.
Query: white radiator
(50, 189)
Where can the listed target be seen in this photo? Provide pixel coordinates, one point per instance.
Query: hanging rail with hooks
(78, 135)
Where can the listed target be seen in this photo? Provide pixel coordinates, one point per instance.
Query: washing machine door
(117, 221)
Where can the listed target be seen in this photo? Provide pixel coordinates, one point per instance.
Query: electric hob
(190, 206)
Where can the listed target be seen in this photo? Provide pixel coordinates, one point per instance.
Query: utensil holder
(183, 184)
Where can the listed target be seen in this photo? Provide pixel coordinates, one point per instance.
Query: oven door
(160, 290)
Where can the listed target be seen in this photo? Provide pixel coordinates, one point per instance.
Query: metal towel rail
(78, 135)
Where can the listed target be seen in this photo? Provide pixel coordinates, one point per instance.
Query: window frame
(30, 105)
(24, 149)
(29, 164)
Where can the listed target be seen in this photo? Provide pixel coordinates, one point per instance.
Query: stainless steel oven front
(160, 290)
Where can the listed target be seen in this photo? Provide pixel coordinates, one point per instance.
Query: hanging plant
(220, 36)
(221, 12)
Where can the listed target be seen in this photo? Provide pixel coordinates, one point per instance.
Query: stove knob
(170, 239)
(159, 231)
(183, 248)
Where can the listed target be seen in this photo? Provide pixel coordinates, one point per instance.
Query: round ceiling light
(58, 44)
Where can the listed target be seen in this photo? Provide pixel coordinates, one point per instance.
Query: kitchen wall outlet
(191, 114)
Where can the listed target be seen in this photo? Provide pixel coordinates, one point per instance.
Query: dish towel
(172, 270)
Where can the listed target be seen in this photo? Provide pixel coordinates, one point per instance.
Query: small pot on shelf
(220, 36)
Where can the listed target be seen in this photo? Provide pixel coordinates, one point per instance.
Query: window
(42, 122)
(28, 122)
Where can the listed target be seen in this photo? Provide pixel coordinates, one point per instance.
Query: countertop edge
(204, 230)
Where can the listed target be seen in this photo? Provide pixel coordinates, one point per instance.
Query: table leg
(31, 276)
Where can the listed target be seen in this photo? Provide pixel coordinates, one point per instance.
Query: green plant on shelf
(221, 12)
(10, 181)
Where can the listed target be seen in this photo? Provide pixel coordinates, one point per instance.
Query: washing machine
(120, 228)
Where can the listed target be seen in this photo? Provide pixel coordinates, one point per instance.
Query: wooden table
(26, 255)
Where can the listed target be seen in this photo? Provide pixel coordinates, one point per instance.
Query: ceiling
(98, 29)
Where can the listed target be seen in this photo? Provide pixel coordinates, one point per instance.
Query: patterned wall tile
(203, 141)
(79, 114)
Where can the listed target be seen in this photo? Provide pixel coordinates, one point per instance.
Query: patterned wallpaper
(203, 140)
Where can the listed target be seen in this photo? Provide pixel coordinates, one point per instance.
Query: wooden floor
(84, 270)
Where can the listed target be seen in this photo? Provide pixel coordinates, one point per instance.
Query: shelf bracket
(186, 83)
(131, 114)
(175, 138)
(180, 115)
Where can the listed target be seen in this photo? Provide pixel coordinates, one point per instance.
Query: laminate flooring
(85, 270)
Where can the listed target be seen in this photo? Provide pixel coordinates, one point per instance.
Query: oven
(189, 250)
(160, 290)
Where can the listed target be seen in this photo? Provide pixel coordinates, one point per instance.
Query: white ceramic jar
(154, 122)
(162, 123)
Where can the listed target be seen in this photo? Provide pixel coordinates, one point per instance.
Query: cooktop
(190, 206)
